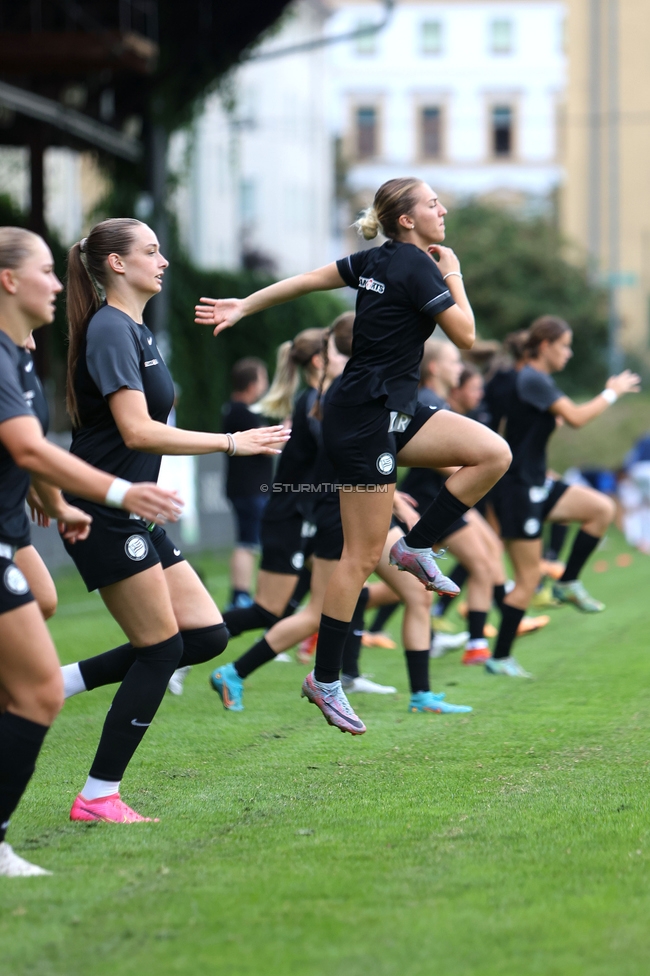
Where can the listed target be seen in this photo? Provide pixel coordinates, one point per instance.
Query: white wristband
(117, 491)
(450, 273)
(610, 395)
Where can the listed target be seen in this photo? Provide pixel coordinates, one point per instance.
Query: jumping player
(119, 397)
(31, 692)
(526, 498)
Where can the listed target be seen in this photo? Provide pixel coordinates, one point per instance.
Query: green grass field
(515, 840)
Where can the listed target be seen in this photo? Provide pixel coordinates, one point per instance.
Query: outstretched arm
(226, 312)
(579, 414)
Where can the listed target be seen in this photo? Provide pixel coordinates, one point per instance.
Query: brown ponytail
(114, 236)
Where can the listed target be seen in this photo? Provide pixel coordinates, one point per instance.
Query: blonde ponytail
(368, 225)
(292, 356)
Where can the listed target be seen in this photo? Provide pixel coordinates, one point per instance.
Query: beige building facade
(606, 195)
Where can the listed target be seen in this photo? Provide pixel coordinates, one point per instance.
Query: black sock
(20, 744)
(135, 705)
(417, 663)
(582, 548)
(556, 539)
(499, 595)
(459, 576)
(352, 646)
(476, 622)
(254, 658)
(235, 594)
(248, 618)
(508, 630)
(382, 616)
(329, 649)
(302, 589)
(441, 513)
(203, 644)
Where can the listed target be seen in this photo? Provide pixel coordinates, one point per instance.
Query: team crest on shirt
(371, 285)
(385, 463)
(538, 493)
(15, 582)
(136, 547)
(298, 560)
(531, 526)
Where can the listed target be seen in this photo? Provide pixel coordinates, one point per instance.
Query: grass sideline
(511, 841)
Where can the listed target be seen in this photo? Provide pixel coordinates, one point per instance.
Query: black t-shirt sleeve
(113, 356)
(12, 400)
(426, 289)
(537, 389)
(351, 268)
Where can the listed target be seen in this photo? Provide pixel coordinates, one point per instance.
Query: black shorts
(14, 588)
(285, 544)
(522, 509)
(248, 515)
(328, 541)
(119, 546)
(360, 445)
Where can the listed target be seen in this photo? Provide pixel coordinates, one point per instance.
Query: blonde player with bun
(373, 422)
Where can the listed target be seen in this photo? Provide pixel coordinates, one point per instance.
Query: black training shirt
(296, 464)
(498, 394)
(530, 424)
(33, 389)
(400, 291)
(118, 353)
(245, 474)
(14, 481)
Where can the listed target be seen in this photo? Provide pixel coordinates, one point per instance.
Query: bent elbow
(26, 456)
(467, 342)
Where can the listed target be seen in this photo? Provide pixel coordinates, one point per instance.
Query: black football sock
(254, 658)
(235, 594)
(582, 548)
(203, 644)
(507, 631)
(476, 623)
(20, 744)
(352, 646)
(254, 617)
(443, 511)
(329, 649)
(499, 595)
(556, 539)
(303, 587)
(417, 663)
(382, 616)
(108, 668)
(459, 576)
(134, 706)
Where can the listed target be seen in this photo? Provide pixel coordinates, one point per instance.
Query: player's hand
(447, 260)
(153, 504)
(404, 509)
(625, 382)
(73, 523)
(220, 312)
(261, 440)
(37, 509)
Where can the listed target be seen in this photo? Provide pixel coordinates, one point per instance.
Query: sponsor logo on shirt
(371, 285)
(136, 547)
(29, 366)
(149, 339)
(385, 463)
(14, 581)
(151, 362)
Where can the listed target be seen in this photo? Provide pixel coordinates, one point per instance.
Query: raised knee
(48, 608)
(48, 698)
(502, 455)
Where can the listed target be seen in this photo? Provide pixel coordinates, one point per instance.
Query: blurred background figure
(245, 477)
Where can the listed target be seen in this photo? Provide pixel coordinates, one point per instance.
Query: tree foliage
(515, 270)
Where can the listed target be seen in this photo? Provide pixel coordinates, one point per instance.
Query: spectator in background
(245, 476)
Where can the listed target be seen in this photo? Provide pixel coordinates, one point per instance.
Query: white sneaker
(12, 866)
(362, 683)
(283, 658)
(441, 644)
(176, 681)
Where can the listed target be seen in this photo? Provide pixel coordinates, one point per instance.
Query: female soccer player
(374, 421)
(526, 498)
(31, 693)
(119, 397)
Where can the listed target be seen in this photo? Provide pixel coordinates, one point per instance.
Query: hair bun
(368, 225)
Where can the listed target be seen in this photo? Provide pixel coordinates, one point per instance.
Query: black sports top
(118, 352)
(296, 464)
(33, 389)
(245, 474)
(530, 424)
(498, 393)
(423, 484)
(14, 481)
(400, 292)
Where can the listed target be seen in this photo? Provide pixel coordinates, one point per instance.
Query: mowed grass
(515, 840)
